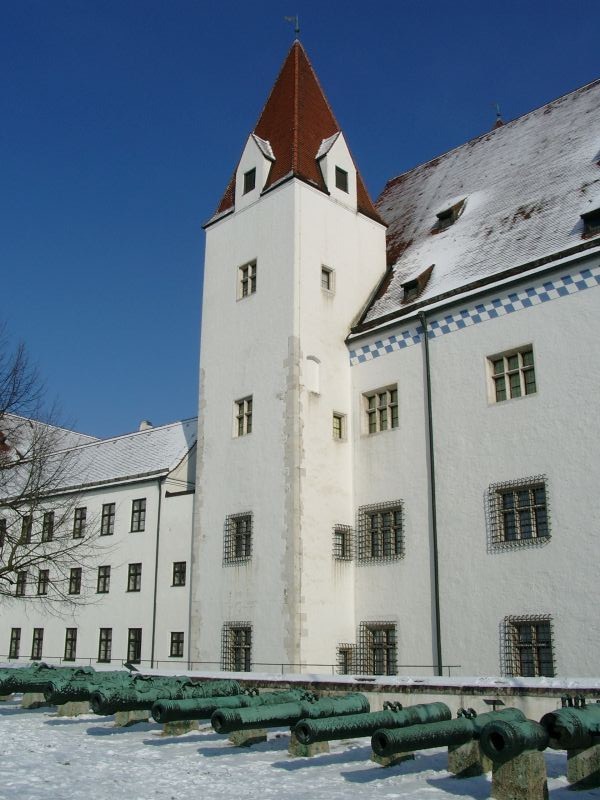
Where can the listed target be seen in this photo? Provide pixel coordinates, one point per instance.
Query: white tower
(291, 255)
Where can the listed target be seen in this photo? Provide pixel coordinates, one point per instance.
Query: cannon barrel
(227, 720)
(502, 740)
(35, 677)
(204, 707)
(79, 687)
(308, 731)
(437, 734)
(573, 728)
(138, 696)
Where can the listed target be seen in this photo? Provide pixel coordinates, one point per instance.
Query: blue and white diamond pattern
(499, 307)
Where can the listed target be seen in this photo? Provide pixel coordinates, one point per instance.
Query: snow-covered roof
(524, 186)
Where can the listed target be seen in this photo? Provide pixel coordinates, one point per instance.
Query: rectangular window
(26, 529)
(21, 584)
(246, 280)
(79, 521)
(346, 659)
(528, 645)
(342, 542)
(327, 279)
(380, 532)
(75, 581)
(179, 570)
(43, 581)
(591, 223)
(381, 409)
(37, 644)
(70, 644)
(339, 426)
(518, 512)
(176, 650)
(138, 515)
(512, 374)
(3, 531)
(134, 645)
(238, 538)
(48, 526)
(103, 585)
(105, 645)
(243, 416)
(15, 643)
(236, 649)
(378, 642)
(249, 180)
(341, 179)
(134, 578)
(107, 523)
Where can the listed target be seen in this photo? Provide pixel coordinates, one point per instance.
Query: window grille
(518, 512)
(236, 647)
(342, 542)
(346, 659)
(380, 532)
(377, 648)
(527, 645)
(237, 543)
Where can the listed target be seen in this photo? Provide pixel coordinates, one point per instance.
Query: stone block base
(4, 697)
(521, 778)
(298, 750)
(73, 708)
(180, 726)
(123, 719)
(467, 760)
(583, 767)
(248, 738)
(33, 700)
(391, 761)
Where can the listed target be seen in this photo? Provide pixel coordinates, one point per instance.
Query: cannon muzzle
(573, 728)
(502, 740)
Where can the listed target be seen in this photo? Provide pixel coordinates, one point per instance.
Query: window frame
(37, 644)
(338, 432)
(247, 277)
(70, 653)
(384, 542)
(243, 410)
(75, 580)
(236, 647)
(512, 381)
(138, 515)
(249, 178)
(14, 647)
(26, 528)
(179, 573)
(134, 645)
(238, 540)
(378, 657)
(176, 649)
(79, 522)
(43, 581)
(341, 179)
(21, 583)
(103, 579)
(342, 543)
(519, 516)
(327, 275)
(517, 647)
(381, 415)
(105, 646)
(107, 520)
(48, 526)
(134, 576)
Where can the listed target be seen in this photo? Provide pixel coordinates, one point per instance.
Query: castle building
(398, 421)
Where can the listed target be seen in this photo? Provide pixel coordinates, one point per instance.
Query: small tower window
(327, 279)
(448, 216)
(341, 179)
(249, 180)
(591, 223)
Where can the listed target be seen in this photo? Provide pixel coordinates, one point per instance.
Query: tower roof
(295, 120)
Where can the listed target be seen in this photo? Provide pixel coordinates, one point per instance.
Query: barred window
(381, 408)
(15, 643)
(103, 585)
(134, 645)
(512, 374)
(179, 570)
(246, 280)
(380, 532)
(243, 416)
(79, 522)
(48, 526)
(105, 645)
(518, 512)
(37, 644)
(21, 584)
(342, 542)
(377, 645)
(138, 515)
(70, 644)
(75, 580)
(107, 523)
(528, 646)
(176, 650)
(346, 659)
(236, 647)
(134, 578)
(43, 581)
(237, 545)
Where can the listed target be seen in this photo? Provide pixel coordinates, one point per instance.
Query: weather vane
(296, 21)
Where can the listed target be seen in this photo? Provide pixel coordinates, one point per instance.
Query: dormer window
(341, 179)
(412, 289)
(591, 223)
(448, 216)
(249, 180)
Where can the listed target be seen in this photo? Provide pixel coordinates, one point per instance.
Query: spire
(295, 120)
(499, 121)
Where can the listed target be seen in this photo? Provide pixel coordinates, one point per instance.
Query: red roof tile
(295, 120)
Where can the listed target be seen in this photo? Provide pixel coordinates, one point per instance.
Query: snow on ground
(43, 757)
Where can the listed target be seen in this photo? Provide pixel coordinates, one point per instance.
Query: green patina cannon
(446, 733)
(79, 686)
(502, 740)
(309, 731)
(228, 720)
(203, 708)
(35, 677)
(573, 728)
(143, 691)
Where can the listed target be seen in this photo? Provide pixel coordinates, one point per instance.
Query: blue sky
(121, 121)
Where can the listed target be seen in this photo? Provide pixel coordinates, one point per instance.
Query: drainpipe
(154, 599)
(433, 506)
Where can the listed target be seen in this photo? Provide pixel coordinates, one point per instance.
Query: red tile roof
(295, 120)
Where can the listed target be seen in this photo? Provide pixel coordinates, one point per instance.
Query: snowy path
(43, 757)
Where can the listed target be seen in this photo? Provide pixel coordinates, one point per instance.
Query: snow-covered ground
(43, 757)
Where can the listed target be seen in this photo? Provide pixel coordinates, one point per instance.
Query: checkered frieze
(498, 307)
